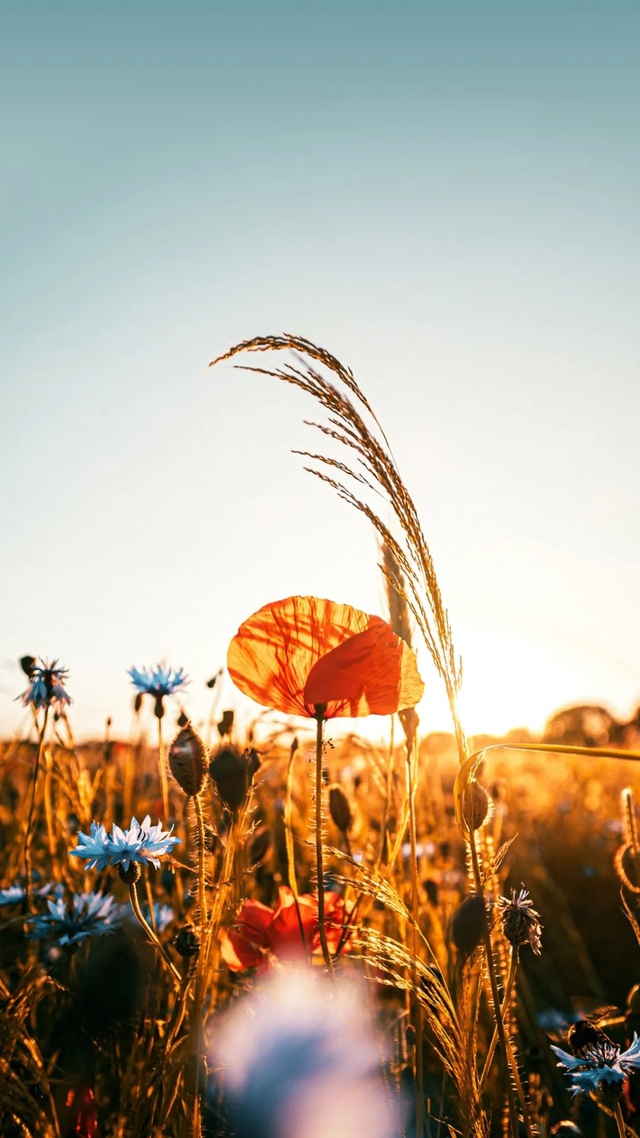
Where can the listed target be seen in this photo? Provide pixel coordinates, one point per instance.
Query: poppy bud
(468, 924)
(187, 760)
(130, 875)
(186, 942)
(226, 723)
(339, 808)
(228, 769)
(475, 805)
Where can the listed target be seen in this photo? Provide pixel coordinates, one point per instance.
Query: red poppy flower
(304, 653)
(260, 935)
(81, 1113)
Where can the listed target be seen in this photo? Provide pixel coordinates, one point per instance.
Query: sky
(445, 196)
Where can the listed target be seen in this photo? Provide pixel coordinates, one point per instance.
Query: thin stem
(495, 995)
(135, 905)
(162, 770)
(28, 835)
(202, 897)
(48, 805)
(415, 906)
(289, 839)
(320, 709)
(513, 968)
(622, 1130)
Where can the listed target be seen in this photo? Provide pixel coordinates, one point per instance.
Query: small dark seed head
(226, 723)
(27, 664)
(339, 808)
(187, 760)
(183, 719)
(259, 845)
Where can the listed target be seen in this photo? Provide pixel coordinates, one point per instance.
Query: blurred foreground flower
(298, 1059)
(46, 687)
(88, 914)
(15, 894)
(261, 936)
(142, 843)
(302, 654)
(603, 1067)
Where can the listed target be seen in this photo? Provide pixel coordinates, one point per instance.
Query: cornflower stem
(27, 840)
(135, 905)
(48, 805)
(513, 968)
(617, 1112)
(162, 771)
(415, 906)
(495, 995)
(320, 709)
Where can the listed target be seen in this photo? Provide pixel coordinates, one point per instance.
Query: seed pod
(252, 759)
(339, 808)
(468, 924)
(130, 875)
(183, 719)
(228, 769)
(186, 942)
(475, 805)
(27, 663)
(187, 759)
(137, 703)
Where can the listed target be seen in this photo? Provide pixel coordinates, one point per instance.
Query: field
(303, 934)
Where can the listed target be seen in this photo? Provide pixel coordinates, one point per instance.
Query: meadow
(296, 932)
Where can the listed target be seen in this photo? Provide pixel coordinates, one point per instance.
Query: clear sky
(446, 196)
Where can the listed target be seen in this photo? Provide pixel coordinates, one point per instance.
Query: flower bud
(339, 808)
(226, 723)
(475, 805)
(186, 942)
(187, 760)
(228, 769)
(468, 924)
(130, 875)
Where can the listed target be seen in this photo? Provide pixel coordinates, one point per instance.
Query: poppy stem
(320, 710)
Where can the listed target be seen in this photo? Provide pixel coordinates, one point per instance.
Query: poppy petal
(274, 651)
(244, 945)
(372, 673)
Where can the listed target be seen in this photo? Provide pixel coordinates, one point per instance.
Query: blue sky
(446, 197)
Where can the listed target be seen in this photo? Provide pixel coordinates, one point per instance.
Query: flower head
(520, 921)
(15, 894)
(307, 656)
(142, 843)
(602, 1067)
(297, 1056)
(88, 914)
(261, 936)
(159, 681)
(46, 686)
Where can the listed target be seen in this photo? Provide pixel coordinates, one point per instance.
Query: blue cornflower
(14, 894)
(46, 687)
(604, 1063)
(88, 914)
(141, 843)
(159, 681)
